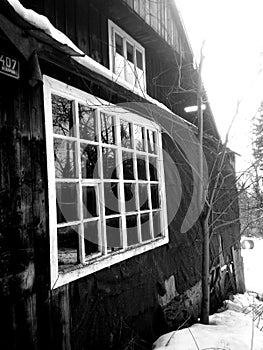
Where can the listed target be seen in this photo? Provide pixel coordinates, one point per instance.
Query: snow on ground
(253, 260)
(237, 326)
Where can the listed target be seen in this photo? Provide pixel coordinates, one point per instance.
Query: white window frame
(112, 29)
(89, 266)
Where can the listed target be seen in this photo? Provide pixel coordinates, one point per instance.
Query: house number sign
(9, 66)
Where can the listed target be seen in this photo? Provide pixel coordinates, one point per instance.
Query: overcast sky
(233, 34)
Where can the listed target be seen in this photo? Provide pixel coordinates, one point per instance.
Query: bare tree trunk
(205, 272)
(205, 308)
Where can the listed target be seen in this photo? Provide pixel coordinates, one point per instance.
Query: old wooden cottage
(100, 237)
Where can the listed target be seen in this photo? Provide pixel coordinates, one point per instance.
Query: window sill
(81, 270)
(96, 67)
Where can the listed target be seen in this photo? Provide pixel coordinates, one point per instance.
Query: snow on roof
(230, 329)
(42, 22)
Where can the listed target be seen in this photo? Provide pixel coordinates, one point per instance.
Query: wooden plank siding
(23, 232)
(160, 15)
(84, 22)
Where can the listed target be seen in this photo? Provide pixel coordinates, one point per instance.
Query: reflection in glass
(65, 158)
(111, 198)
(109, 163)
(125, 134)
(141, 167)
(62, 116)
(151, 139)
(127, 159)
(145, 227)
(153, 168)
(139, 59)
(156, 224)
(91, 237)
(119, 44)
(143, 197)
(130, 56)
(132, 233)
(155, 196)
(67, 202)
(89, 157)
(107, 129)
(89, 201)
(113, 234)
(130, 197)
(138, 137)
(87, 126)
(67, 245)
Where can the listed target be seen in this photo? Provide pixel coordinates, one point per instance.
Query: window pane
(67, 202)
(130, 75)
(141, 167)
(125, 134)
(130, 56)
(65, 159)
(132, 232)
(130, 197)
(139, 59)
(140, 80)
(119, 66)
(89, 157)
(67, 246)
(155, 196)
(91, 237)
(113, 233)
(151, 139)
(109, 163)
(107, 129)
(153, 168)
(143, 197)
(111, 198)
(145, 227)
(89, 202)
(87, 126)
(127, 161)
(62, 116)
(138, 137)
(156, 224)
(119, 44)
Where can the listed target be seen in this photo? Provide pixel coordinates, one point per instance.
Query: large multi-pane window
(106, 184)
(127, 57)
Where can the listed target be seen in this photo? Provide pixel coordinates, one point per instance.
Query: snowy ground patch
(237, 326)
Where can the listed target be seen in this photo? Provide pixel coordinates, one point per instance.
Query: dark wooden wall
(24, 264)
(84, 22)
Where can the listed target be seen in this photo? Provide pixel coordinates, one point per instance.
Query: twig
(194, 339)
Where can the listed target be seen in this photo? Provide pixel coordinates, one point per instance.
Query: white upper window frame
(95, 262)
(139, 78)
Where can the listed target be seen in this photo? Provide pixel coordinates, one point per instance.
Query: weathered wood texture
(23, 266)
(84, 22)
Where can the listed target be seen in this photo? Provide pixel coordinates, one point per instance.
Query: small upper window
(127, 57)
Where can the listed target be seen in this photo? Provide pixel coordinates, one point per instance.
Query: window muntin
(106, 180)
(127, 57)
